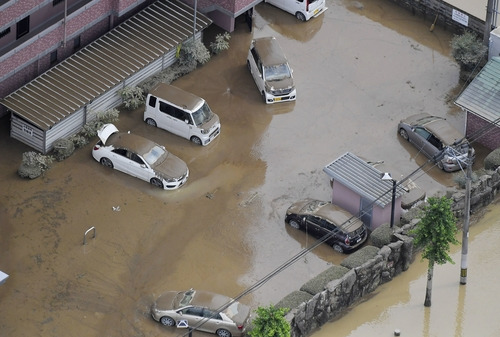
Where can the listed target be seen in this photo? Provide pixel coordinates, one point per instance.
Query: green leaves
(270, 322)
(436, 230)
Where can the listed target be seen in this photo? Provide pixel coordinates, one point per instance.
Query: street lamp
(387, 176)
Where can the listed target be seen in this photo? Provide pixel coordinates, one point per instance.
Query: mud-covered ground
(359, 69)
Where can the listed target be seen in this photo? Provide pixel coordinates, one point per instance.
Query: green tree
(270, 322)
(435, 232)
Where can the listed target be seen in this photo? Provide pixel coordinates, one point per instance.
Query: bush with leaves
(221, 43)
(133, 97)
(90, 129)
(467, 49)
(192, 53)
(34, 164)
(63, 148)
(270, 322)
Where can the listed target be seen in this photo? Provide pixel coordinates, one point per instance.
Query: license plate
(277, 99)
(316, 11)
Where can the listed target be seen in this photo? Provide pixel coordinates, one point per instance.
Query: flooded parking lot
(358, 71)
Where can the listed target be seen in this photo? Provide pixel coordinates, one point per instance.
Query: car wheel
(338, 248)
(404, 134)
(151, 122)
(156, 182)
(106, 162)
(300, 16)
(294, 224)
(223, 333)
(167, 321)
(196, 140)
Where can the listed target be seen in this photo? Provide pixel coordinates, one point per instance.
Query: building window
(53, 57)
(55, 2)
(23, 27)
(4, 32)
(76, 43)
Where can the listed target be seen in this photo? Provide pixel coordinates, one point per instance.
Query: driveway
(358, 70)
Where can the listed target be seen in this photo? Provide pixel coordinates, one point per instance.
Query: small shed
(481, 102)
(357, 186)
(59, 102)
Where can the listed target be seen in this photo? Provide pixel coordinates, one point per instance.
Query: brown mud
(358, 71)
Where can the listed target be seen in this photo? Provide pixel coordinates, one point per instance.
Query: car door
(166, 118)
(119, 159)
(182, 123)
(138, 168)
(213, 321)
(193, 316)
(313, 226)
(421, 141)
(256, 69)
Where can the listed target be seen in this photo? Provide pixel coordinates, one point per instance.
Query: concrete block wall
(390, 261)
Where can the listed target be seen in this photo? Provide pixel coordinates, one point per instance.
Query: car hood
(166, 301)
(281, 84)
(171, 167)
(211, 122)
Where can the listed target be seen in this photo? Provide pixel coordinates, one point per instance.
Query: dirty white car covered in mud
(139, 157)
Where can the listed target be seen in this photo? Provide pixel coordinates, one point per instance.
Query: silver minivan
(181, 113)
(270, 70)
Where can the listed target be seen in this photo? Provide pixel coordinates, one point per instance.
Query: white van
(270, 70)
(181, 113)
(302, 9)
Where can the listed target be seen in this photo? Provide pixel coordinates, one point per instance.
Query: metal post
(194, 19)
(465, 230)
(488, 22)
(393, 202)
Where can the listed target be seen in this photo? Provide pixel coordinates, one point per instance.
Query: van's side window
(152, 101)
(257, 60)
(167, 108)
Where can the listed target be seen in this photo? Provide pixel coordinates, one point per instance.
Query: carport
(59, 102)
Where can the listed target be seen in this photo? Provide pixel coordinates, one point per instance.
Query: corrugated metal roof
(482, 95)
(361, 177)
(105, 63)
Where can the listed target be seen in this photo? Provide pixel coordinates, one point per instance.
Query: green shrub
(467, 49)
(133, 97)
(318, 283)
(360, 257)
(381, 235)
(34, 164)
(63, 148)
(492, 160)
(221, 43)
(270, 322)
(192, 53)
(79, 141)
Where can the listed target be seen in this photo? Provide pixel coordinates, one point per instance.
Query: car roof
(177, 96)
(269, 51)
(438, 126)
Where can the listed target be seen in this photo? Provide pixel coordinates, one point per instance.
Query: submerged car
(302, 9)
(320, 218)
(432, 136)
(203, 311)
(139, 157)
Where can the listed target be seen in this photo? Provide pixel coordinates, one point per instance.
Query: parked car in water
(432, 135)
(321, 218)
(302, 9)
(139, 157)
(203, 311)
(181, 113)
(270, 70)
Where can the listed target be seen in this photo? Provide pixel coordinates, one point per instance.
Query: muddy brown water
(358, 70)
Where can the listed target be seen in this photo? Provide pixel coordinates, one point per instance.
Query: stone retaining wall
(388, 262)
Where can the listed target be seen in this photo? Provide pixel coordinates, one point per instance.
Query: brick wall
(477, 125)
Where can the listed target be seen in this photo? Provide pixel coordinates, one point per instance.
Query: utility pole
(465, 229)
(488, 23)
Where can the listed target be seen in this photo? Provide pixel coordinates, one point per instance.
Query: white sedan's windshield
(277, 72)
(154, 154)
(202, 115)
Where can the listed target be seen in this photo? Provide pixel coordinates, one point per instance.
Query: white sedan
(139, 157)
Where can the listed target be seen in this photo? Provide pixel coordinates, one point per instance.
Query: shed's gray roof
(482, 95)
(104, 63)
(361, 177)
